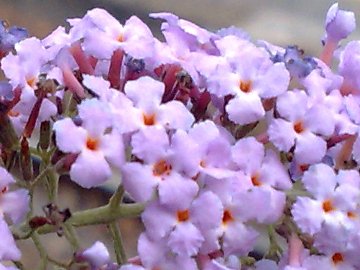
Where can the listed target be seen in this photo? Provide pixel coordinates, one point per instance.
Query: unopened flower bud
(45, 132)
(25, 160)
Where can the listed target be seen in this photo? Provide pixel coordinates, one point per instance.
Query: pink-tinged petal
(292, 105)
(134, 23)
(102, 19)
(10, 66)
(177, 192)
(346, 197)
(2, 267)
(204, 132)
(356, 149)
(131, 267)
(320, 180)
(273, 172)
(274, 82)
(266, 264)
(185, 240)
(152, 253)
(231, 45)
(97, 255)
(281, 134)
(169, 17)
(352, 108)
(91, 44)
(96, 84)
(145, 92)
(239, 239)
(15, 204)
(95, 117)
(224, 188)
(8, 249)
(320, 120)
(321, 262)
(5, 178)
(349, 177)
(112, 146)
(126, 118)
(224, 83)
(307, 143)
(150, 144)
(248, 154)
(245, 109)
(69, 137)
(211, 242)
(185, 156)
(206, 211)
(307, 214)
(175, 115)
(139, 181)
(220, 264)
(31, 46)
(267, 205)
(138, 39)
(90, 169)
(158, 220)
(47, 110)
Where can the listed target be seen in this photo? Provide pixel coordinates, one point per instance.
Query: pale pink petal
(175, 115)
(69, 137)
(139, 181)
(245, 109)
(185, 240)
(90, 169)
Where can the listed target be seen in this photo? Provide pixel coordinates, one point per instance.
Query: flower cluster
(219, 138)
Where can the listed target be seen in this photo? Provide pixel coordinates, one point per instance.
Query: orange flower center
(92, 144)
(245, 86)
(255, 180)
(31, 81)
(337, 258)
(351, 214)
(304, 167)
(327, 206)
(227, 217)
(120, 37)
(149, 120)
(183, 216)
(299, 127)
(161, 168)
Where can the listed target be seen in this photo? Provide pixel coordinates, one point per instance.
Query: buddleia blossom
(13, 203)
(94, 143)
(249, 77)
(299, 127)
(212, 133)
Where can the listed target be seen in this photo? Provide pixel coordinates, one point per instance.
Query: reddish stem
(81, 59)
(72, 83)
(115, 68)
(328, 51)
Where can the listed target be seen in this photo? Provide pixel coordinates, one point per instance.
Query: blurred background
(279, 21)
(282, 22)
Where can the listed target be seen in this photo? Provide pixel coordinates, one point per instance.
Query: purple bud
(339, 23)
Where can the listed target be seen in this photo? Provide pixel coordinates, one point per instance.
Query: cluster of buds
(223, 140)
